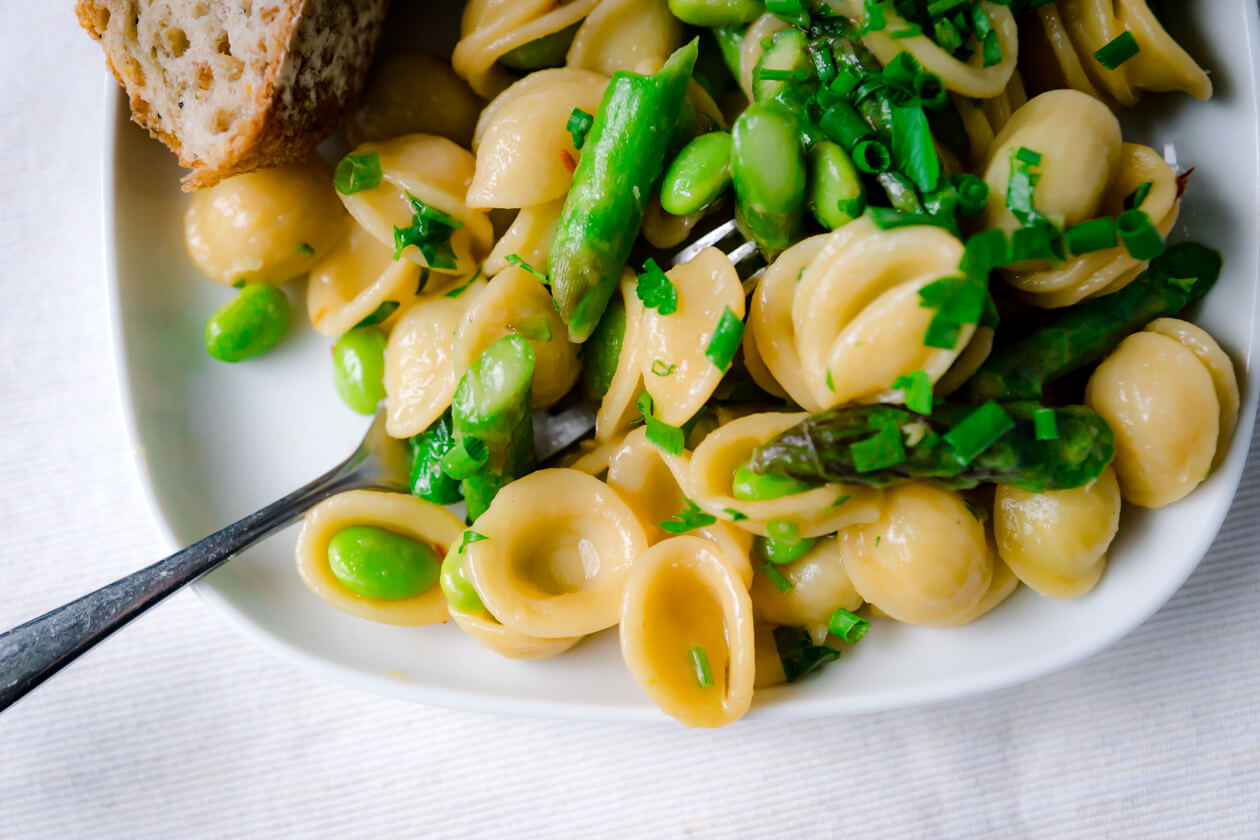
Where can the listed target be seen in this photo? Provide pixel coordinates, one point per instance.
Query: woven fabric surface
(180, 728)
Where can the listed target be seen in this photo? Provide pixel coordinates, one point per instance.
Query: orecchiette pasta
(1219, 366)
(557, 548)
(925, 561)
(252, 227)
(1002, 585)
(687, 632)
(617, 408)
(514, 301)
(814, 512)
(635, 35)
(420, 370)
(529, 238)
(395, 512)
(1056, 542)
(837, 318)
(414, 93)
(436, 172)
(525, 154)
(492, 28)
(820, 586)
(353, 280)
(1161, 400)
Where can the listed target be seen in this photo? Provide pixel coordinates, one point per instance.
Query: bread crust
(317, 57)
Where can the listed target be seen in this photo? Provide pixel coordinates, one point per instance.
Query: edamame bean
(836, 195)
(359, 368)
(456, 586)
(778, 552)
(700, 173)
(376, 563)
(748, 486)
(547, 51)
(249, 324)
(768, 168)
(716, 12)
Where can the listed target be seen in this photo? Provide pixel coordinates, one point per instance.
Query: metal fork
(32, 652)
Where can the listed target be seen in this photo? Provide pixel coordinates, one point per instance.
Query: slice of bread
(234, 85)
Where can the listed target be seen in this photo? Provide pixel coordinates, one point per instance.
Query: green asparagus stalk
(1087, 332)
(621, 161)
(491, 418)
(820, 449)
(427, 449)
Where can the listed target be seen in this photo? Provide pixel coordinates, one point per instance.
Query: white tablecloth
(178, 728)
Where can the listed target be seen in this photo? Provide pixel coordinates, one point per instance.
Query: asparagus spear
(621, 160)
(1087, 332)
(492, 422)
(819, 449)
(428, 448)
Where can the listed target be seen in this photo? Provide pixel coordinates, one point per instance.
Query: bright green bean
(377, 563)
(456, 586)
(427, 450)
(729, 40)
(547, 51)
(700, 173)
(836, 194)
(716, 12)
(621, 162)
(249, 324)
(779, 552)
(359, 368)
(768, 167)
(748, 486)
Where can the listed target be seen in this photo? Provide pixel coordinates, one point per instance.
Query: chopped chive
(871, 156)
(912, 149)
(660, 434)
(305, 249)
(725, 341)
(1088, 237)
(847, 626)
(886, 218)
(911, 30)
(918, 390)
(1137, 198)
(798, 653)
(973, 194)
(776, 577)
(875, 20)
(840, 500)
(831, 384)
(736, 516)
(516, 260)
(770, 74)
(939, 7)
(656, 291)
(578, 125)
(459, 290)
(842, 123)
(978, 431)
(881, 450)
(462, 460)
(660, 368)
(1046, 424)
(1118, 50)
(379, 314)
(783, 531)
(844, 83)
(824, 62)
(1140, 236)
(356, 173)
(930, 90)
(468, 539)
(700, 661)
(877, 539)
(991, 49)
(1025, 155)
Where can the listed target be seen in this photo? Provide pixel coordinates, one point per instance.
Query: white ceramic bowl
(215, 442)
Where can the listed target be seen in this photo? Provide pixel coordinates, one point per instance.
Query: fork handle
(32, 652)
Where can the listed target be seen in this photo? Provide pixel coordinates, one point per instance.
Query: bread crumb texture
(233, 86)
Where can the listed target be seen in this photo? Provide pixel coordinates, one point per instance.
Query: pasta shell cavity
(353, 280)
(490, 29)
(634, 35)
(514, 301)
(815, 512)
(770, 319)
(1165, 404)
(676, 343)
(529, 238)
(1057, 542)
(820, 585)
(525, 153)
(558, 547)
(434, 171)
(685, 605)
(395, 512)
(857, 318)
(420, 370)
(925, 561)
(969, 78)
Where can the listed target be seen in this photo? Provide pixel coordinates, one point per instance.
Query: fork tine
(707, 240)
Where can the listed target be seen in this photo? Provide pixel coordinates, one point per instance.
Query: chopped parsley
(430, 231)
(689, 518)
(656, 291)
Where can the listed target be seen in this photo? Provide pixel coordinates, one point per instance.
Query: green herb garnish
(656, 291)
(847, 626)
(356, 173)
(689, 518)
(725, 341)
